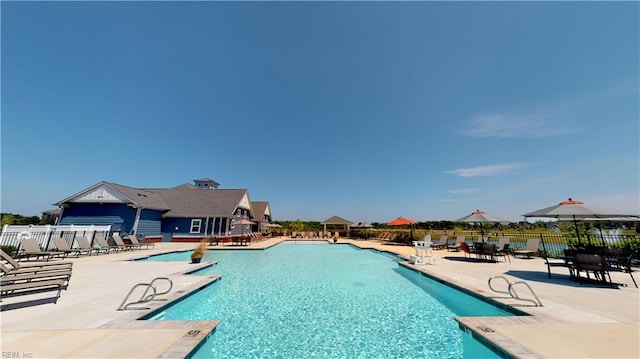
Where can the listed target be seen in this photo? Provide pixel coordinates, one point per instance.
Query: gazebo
(336, 221)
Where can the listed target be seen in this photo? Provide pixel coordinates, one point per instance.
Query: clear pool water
(327, 301)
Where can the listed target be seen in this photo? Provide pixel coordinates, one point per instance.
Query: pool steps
(144, 298)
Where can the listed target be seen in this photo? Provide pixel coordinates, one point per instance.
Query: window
(195, 225)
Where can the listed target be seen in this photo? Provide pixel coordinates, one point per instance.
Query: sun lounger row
(258, 236)
(120, 245)
(20, 279)
(445, 242)
(385, 237)
(30, 248)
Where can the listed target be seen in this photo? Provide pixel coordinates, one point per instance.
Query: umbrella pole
(544, 248)
(575, 223)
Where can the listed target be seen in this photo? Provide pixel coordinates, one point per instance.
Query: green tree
(11, 218)
(297, 225)
(8, 218)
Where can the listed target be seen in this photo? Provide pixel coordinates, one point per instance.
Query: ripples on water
(327, 301)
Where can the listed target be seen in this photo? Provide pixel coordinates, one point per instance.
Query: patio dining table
(240, 239)
(485, 251)
(600, 263)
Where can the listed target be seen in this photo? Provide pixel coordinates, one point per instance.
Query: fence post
(48, 240)
(544, 248)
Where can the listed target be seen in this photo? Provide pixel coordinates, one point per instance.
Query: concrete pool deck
(575, 321)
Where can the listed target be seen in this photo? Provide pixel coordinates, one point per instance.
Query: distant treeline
(12, 218)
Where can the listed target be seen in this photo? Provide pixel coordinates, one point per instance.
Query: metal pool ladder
(512, 292)
(144, 298)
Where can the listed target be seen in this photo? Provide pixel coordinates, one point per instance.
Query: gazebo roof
(338, 220)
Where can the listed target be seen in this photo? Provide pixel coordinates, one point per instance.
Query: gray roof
(337, 220)
(182, 201)
(188, 201)
(141, 197)
(258, 209)
(138, 197)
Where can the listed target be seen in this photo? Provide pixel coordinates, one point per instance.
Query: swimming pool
(330, 301)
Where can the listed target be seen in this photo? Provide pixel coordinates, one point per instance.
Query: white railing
(44, 235)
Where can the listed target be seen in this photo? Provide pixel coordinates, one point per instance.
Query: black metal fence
(553, 244)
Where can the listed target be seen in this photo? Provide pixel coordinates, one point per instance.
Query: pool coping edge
(197, 330)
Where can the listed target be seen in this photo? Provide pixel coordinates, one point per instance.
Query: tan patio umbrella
(577, 210)
(243, 222)
(273, 225)
(481, 217)
(362, 225)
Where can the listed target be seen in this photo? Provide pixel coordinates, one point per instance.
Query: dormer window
(206, 183)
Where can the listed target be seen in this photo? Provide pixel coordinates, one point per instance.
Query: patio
(576, 320)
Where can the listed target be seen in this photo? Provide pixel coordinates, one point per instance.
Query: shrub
(10, 250)
(201, 248)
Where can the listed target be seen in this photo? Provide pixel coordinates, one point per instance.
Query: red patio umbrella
(401, 221)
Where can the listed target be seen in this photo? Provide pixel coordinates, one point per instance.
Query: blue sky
(366, 110)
